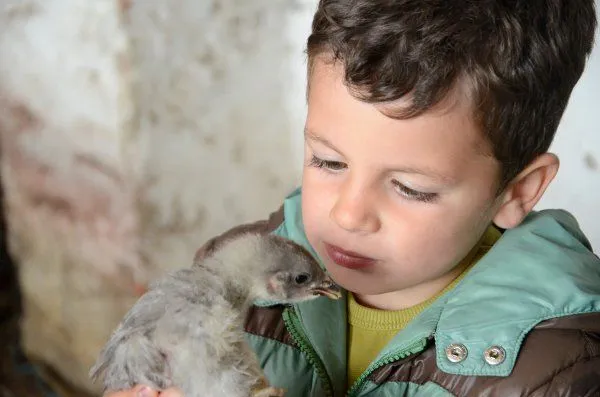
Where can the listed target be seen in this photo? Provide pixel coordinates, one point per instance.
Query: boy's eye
(414, 194)
(328, 164)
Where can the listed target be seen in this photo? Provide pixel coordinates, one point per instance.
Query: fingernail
(144, 392)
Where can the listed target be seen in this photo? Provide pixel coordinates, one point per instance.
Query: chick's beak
(329, 289)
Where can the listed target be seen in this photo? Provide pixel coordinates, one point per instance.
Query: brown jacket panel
(559, 357)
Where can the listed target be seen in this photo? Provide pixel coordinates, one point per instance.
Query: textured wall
(131, 131)
(65, 107)
(211, 87)
(577, 185)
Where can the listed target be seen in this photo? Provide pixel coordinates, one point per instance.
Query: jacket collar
(541, 270)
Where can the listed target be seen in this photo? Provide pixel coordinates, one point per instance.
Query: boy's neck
(409, 297)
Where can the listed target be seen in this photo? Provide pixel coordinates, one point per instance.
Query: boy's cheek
(314, 216)
(317, 195)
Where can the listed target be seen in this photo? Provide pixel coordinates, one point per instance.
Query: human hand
(145, 391)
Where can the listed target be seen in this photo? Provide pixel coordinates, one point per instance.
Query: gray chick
(187, 330)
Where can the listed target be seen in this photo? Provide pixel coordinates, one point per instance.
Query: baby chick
(187, 330)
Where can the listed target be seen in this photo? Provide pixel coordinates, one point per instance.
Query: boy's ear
(525, 190)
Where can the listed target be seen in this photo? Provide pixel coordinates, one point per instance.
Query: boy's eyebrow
(407, 170)
(446, 179)
(308, 134)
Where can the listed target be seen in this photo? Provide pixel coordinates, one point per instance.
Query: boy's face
(409, 198)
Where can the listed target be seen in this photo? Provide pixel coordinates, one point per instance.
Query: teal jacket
(524, 321)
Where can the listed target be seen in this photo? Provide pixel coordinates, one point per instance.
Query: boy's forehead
(331, 102)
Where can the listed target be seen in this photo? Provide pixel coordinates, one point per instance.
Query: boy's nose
(354, 211)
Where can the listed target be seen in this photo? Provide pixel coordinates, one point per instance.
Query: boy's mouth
(347, 259)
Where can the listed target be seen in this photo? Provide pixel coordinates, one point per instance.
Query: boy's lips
(347, 259)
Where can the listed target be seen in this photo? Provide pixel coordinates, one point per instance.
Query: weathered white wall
(132, 131)
(297, 31)
(211, 83)
(577, 143)
(577, 186)
(65, 110)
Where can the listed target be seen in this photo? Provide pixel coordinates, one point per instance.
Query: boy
(426, 150)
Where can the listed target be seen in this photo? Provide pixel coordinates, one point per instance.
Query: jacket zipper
(414, 348)
(292, 323)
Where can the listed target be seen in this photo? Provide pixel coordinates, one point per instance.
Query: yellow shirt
(370, 330)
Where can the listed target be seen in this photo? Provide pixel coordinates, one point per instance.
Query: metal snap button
(494, 355)
(456, 352)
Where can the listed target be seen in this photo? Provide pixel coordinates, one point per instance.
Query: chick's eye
(302, 278)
